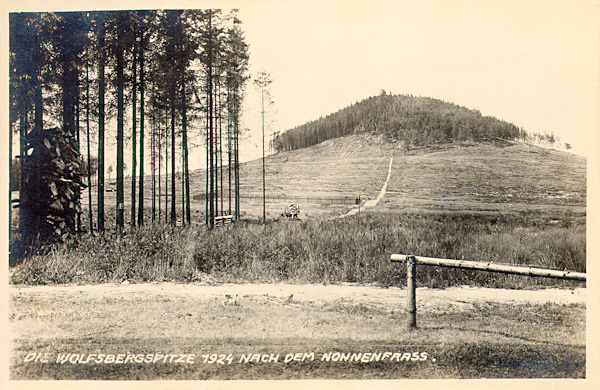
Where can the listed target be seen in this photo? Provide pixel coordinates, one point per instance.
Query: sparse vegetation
(347, 250)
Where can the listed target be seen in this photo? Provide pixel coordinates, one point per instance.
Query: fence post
(411, 307)
(411, 274)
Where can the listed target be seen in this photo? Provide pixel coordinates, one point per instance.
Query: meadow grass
(319, 251)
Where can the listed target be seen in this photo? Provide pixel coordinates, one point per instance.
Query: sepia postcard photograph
(300, 193)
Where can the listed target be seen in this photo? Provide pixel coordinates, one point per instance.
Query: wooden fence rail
(412, 261)
(493, 267)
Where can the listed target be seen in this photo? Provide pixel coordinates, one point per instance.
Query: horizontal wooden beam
(493, 267)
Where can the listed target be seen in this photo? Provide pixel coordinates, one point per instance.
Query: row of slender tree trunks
(194, 63)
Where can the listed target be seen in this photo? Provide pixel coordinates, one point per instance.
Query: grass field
(497, 177)
(353, 249)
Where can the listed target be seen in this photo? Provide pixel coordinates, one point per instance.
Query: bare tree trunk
(216, 152)
(23, 194)
(220, 118)
(159, 149)
(78, 135)
(142, 119)
(183, 214)
(229, 157)
(153, 165)
(101, 92)
(173, 159)
(134, 135)
(206, 217)
(11, 107)
(166, 165)
(89, 155)
(263, 156)
(120, 167)
(186, 169)
(211, 216)
(236, 135)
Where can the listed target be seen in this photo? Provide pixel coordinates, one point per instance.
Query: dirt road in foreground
(390, 297)
(463, 332)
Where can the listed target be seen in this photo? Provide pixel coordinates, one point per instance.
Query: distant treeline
(414, 120)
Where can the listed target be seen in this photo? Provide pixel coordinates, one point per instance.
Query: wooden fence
(411, 269)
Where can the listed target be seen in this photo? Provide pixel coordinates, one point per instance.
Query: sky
(532, 63)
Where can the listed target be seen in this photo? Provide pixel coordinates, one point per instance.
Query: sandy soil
(372, 295)
(274, 311)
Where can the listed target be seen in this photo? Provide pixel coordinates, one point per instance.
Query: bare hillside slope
(480, 177)
(326, 179)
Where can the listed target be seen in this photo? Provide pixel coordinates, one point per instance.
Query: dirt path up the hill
(373, 202)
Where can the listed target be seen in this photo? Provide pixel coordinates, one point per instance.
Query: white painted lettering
(245, 358)
(62, 358)
(90, 357)
(345, 357)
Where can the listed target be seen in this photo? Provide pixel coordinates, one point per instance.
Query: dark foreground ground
(284, 331)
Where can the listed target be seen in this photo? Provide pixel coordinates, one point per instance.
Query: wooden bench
(223, 220)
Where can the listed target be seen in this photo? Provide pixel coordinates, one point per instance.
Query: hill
(414, 120)
(483, 177)
(462, 176)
